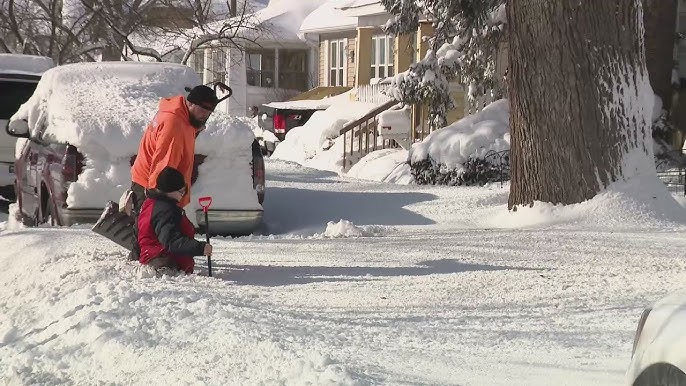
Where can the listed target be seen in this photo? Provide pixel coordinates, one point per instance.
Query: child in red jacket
(165, 234)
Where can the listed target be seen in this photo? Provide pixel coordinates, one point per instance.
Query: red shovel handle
(205, 202)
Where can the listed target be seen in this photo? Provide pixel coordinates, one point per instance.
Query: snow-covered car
(19, 75)
(659, 351)
(83, 125)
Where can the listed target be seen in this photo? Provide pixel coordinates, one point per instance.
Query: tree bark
(580, 98)
(659, 18)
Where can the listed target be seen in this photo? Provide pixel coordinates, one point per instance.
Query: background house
(271, 64)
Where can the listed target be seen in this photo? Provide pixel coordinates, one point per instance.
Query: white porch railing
(373, 93)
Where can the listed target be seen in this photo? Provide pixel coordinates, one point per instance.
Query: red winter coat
(164, 230)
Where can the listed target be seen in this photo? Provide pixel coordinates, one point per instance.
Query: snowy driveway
(432, 296)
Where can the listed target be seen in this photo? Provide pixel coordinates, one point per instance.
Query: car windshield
(14, 94)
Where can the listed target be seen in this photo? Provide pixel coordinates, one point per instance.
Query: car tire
(662, 374)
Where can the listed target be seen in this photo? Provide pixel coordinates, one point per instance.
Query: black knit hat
(203, 96)
(170, 180)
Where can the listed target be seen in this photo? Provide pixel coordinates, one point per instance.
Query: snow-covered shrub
(475, 171)
(470, 151)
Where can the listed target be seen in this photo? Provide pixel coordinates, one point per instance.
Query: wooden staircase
(361, 136)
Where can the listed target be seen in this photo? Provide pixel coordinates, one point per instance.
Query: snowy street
(427, 290)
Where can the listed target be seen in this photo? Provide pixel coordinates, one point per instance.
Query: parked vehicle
(19, 75)
(68, 150)
(280, 120)
(659, 351)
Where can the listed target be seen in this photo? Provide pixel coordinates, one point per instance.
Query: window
(218, 65)
(260, 68)
(14, 94)
(293, 69)
(199, 63)
(382, 56)
(336, 62)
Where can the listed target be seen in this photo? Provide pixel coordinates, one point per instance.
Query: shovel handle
(205, 203)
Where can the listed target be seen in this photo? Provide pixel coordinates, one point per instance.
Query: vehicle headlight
(639, 329)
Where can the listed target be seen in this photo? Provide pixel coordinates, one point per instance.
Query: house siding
(324, 53)
(350, 61)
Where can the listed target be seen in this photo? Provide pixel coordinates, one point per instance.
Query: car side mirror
(18, 128)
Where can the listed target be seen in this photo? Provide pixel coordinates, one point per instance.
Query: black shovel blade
(115, 225)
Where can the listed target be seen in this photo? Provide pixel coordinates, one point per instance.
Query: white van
(19, 75)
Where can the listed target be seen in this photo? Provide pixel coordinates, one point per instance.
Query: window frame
(382, 59)
(336, 67)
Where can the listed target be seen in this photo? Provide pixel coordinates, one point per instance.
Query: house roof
(279, 21)
(330, 17)
(364, 8)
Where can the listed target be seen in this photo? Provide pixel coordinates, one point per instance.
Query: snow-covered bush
(475, 171)
(471, 151)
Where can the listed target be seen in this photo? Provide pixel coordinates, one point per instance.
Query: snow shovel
(205, 203)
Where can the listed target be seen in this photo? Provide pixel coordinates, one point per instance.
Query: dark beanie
(203, 96)
(170, 180)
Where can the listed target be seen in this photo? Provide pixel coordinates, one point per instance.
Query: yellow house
(354, 51)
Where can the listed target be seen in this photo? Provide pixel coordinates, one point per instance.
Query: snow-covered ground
(418, 285)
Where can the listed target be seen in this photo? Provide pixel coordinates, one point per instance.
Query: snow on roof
(472, 136)
(329, 17)
(279, 21)
(364, 8)
(312, 104)
(24, 64)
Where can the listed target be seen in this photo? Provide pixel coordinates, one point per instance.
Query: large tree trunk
(580, 98)
(660, 23)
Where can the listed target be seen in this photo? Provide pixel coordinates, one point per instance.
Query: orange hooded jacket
(169, 140)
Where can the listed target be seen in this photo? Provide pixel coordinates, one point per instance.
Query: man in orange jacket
(169, 141)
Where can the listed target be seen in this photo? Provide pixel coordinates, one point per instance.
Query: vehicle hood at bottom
(663, 338)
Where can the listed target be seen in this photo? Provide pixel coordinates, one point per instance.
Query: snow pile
(387, 165)
(398, 119)
(346, 229)
(303, 143)
(471, 137)
(257, 130)
(24, 64)
(103, 110)
(640, 203)
(76, 315)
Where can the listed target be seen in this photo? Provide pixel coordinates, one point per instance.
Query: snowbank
(387, 165)
(303, 143)
(472, 136)
(103, 110)
(642, 202)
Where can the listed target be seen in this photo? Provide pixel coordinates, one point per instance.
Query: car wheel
(662, 374)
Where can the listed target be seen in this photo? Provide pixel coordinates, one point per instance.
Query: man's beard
(195, 122)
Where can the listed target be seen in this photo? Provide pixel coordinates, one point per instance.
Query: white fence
(373, 93)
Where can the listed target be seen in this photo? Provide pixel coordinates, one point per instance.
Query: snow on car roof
(24, 64)
(105, 107)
